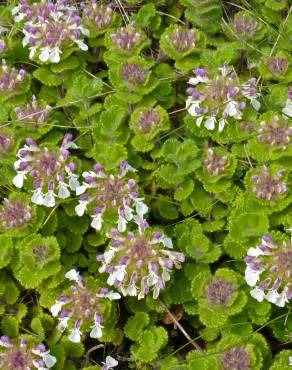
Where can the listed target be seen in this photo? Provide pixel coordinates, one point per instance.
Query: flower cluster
(97, 15)
(275, 133)
(10, 78)
(14, 214)
(19, 355)
(50, 28)
(133, 73)
(33, 112)
(269, 271)
(219, 291)
(267, 186)
(6, 142)
(219, 98)
(148, 119)
(214, 164)
(126, 38)
(278, 65)
(48, 169)
(245, 26)
(235, 359)
(182, 39)
(139, 262)
(110, 196)
(80, 307)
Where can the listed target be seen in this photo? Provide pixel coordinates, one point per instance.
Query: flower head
(269, 271)
(6, 142)
(275, 133)
(220, 98)
(214, 163)
(278, 65)
(245, 26)
(14, 214)
(148, 119)
(49, 28)
(126, 39)
(51, 171)
(109, 196)
(219, 291)
(133, 73)
(33, 112)
(139, 262)
(98, 16)
(10, 78)
(19, 355)
(109, 363)
(268, 186)
(235, 359)
(81, 308)
(182, 39)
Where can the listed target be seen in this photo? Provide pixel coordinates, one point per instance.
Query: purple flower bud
(201, 72)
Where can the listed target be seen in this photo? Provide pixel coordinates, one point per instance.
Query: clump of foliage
(145, 177)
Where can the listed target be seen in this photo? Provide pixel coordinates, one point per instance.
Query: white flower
(73, 181)
(63, 192)
(75, 335)
(257, 294)
(63, 324)
(118, 274)
(81, 207)
(81, 45)
(96, 331)
(210, 123)
(44, 54)
(113, 295)
(287, 110)
(290, 360)
(97, 221)
(128, 213)
(18, 179)
(122, 224)
(196, 80)
(156, 292)
(81, 189)
(49, 199)
(167, 242)
(255, 103)
(221, 125)
(232, 110)
(199, 121)
(72, 275)
(109, 363)
(37, 197)
(272, 296)
(49, 359)
(255, 252)
(282, 299)
(56, 308)
(141, 207)
(252, 276)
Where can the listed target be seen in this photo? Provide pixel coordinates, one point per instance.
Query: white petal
(81, 45)
(210, 123)
(254, 252)
(290, 360)
(73, 182)
(63, 192)
(141, 208)
(128, 213)
(221, 125)
(194, 81)
(56, 308)
(44, 55)
(231, 109)
(96, 331)
(113, 296)
(81, 189)
(96, 222)
(258, 294)
(72, 275)
(32, 52)
(272, 296)
(49, 199)
(122, 224)
(251, 276)
(192, 109)
(156, 291)
(37, 197)
(63, 324)
(199, 121)
(80, 208)
(167, 242)
(75, 336)
(110, 361)
(55, 55)
(49, 360)
(18, 179)
(255, 103)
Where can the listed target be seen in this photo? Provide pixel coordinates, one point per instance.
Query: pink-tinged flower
(139, 262)
(10, 78)
(14, 214)
(147, 120)
(219, 291)
(235, 359)
(275, 133)
(183, 39)
(112, 196)
(268, 186)
(33, 112)
(81, 308)
(6, 143)
(51, 171)
(126, 39)
(2, 46)
(269, 271)
(214, 164)
(133, 73)
(18, 355)
(245, 26)
(97, 15)
(278, 65)
(49, 28)
(217, 99)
